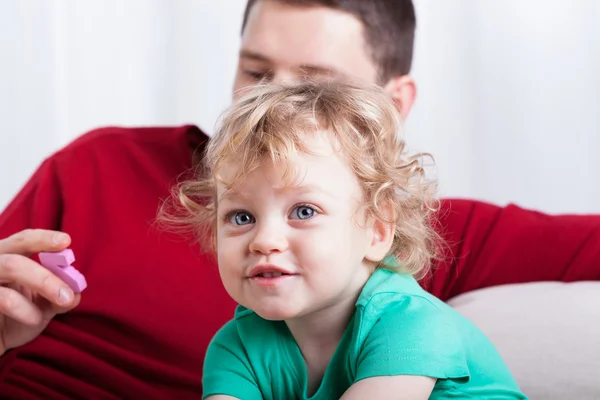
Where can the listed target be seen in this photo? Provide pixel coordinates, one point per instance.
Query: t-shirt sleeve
(413, 337)
(227, 370)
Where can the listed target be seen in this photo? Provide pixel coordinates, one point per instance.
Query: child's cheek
(316, 248)
(230, 250)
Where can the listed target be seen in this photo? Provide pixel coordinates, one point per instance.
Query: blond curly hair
(271, 122)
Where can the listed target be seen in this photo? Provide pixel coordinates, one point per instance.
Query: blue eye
(241, 218)
(303, 212)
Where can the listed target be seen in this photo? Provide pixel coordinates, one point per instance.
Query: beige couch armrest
(547, 332)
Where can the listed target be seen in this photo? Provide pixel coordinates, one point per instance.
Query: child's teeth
(272, 274)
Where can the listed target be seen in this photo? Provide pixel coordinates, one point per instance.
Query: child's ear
(382, 238)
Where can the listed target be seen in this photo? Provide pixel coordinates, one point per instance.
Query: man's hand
(30, 295)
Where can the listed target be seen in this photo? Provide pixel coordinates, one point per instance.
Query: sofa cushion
(547, 332)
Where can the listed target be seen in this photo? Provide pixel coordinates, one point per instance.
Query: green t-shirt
(397, 329)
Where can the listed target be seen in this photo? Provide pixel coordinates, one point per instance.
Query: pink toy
(60, 264)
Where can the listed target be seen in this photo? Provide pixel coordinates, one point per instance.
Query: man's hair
(389, 29)
(272, 124)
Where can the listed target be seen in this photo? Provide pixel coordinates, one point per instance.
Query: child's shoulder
(396, 321)
(394, 302)
(386, 288)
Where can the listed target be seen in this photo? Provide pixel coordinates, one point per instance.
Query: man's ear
(403, 91)
(382, 238)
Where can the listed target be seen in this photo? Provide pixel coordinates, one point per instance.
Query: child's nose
(268, 239)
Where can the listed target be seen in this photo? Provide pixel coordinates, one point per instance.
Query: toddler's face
(289, 248)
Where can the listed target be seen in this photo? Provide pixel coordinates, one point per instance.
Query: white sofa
(547, 332)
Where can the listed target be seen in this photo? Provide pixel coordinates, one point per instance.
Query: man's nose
(269, 238)
(284, 77)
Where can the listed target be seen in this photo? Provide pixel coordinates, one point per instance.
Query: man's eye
(303, 212)
(241, 218)
(256, 75)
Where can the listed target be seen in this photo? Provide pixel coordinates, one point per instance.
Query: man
(141, 328)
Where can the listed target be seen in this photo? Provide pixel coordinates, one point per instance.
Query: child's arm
(400, 387)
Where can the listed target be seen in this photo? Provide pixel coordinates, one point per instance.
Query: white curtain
(509, 90)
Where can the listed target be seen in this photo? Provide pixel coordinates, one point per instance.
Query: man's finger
(58, 309)
(31, 241)
(20, 270)
(14, 305)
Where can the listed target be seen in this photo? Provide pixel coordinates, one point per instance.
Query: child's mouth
(270, 274)
(271, 278)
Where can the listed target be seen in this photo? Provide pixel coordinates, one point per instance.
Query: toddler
(322, 226)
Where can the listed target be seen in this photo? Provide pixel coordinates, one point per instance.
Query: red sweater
(154, 301)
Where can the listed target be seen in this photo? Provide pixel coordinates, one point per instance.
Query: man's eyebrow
(309, 69)
(306, 69)
(253, 56)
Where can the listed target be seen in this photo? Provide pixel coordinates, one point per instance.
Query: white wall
(510, 100)
(509, 90)
(70, 66)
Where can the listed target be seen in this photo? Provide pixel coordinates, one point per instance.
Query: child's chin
(275, 315)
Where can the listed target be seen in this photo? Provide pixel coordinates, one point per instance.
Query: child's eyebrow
(234, 195)
(231, 195)
(311, 188)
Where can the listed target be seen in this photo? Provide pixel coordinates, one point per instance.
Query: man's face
(283, 43)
